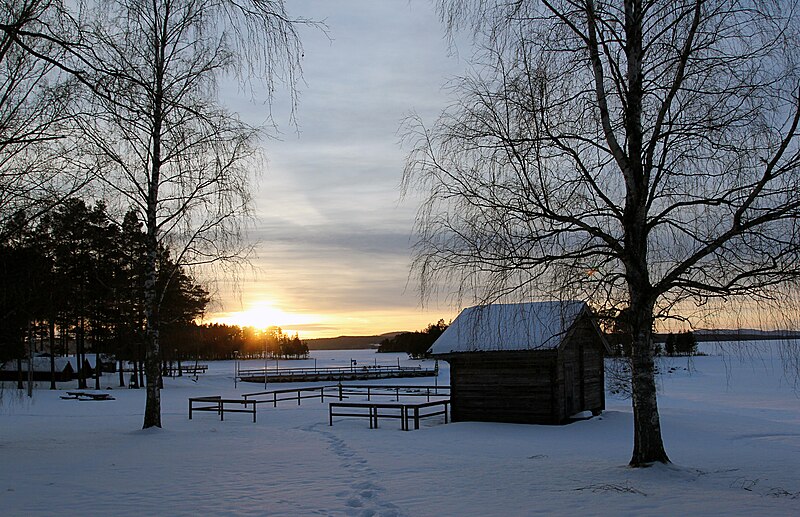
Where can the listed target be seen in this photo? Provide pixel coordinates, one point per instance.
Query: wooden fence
(406, 412)
(218, 405)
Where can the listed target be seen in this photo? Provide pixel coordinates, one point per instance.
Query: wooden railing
(217, 404)
(395, 391)
(297, 394)
(406, 412)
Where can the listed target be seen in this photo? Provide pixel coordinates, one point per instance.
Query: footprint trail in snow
(363, 498)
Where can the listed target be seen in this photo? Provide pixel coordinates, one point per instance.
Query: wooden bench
(217, 404)
(406, 412)
(84, 395)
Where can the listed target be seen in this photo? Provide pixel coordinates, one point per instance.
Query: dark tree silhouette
(415, 344)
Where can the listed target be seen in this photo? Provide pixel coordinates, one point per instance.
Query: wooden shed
(535, 363)
(41, 370)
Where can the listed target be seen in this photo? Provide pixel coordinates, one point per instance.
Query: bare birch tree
(642, 154)
(172, 150)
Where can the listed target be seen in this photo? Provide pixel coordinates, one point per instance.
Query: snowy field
(731, 425)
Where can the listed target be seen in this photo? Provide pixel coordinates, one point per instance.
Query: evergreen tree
(415, 344)
(685, 343)
(669, 344)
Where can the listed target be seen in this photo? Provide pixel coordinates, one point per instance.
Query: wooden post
(190, 409)
(416, 419)
(340, 391)
(235, 368)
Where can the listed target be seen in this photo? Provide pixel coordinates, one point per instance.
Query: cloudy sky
(334, 234)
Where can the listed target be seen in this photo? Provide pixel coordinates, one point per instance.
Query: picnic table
(188, 369)
(87, 395)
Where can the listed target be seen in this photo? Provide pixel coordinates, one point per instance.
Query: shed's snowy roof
(516, 326)
(40, 364)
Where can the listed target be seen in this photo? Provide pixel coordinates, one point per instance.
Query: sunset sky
(334, 235)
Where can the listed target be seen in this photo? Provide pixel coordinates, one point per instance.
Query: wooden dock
(345, 373)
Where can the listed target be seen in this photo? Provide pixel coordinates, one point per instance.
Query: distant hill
(367, 342)
(744, 334)
(348, 342)
(737, 335)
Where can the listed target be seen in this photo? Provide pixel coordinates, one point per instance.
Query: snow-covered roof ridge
(510, 326)
(40, 364)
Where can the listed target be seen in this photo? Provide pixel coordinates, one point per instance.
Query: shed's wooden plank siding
(503, 386)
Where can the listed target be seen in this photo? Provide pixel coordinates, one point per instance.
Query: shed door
(569, 390)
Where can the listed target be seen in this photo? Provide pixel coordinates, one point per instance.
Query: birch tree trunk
(152, 412)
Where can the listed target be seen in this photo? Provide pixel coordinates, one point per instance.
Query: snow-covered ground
(731, 425)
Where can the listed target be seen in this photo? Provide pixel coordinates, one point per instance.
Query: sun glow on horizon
(322, 324)
(264, 314)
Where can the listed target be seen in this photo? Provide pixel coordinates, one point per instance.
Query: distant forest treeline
(217, 341)
(74, 281)
(415, 344)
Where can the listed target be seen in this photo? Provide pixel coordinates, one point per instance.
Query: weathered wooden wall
(583, 352)
(503, 386)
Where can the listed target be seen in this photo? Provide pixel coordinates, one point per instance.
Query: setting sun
(265, 314)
